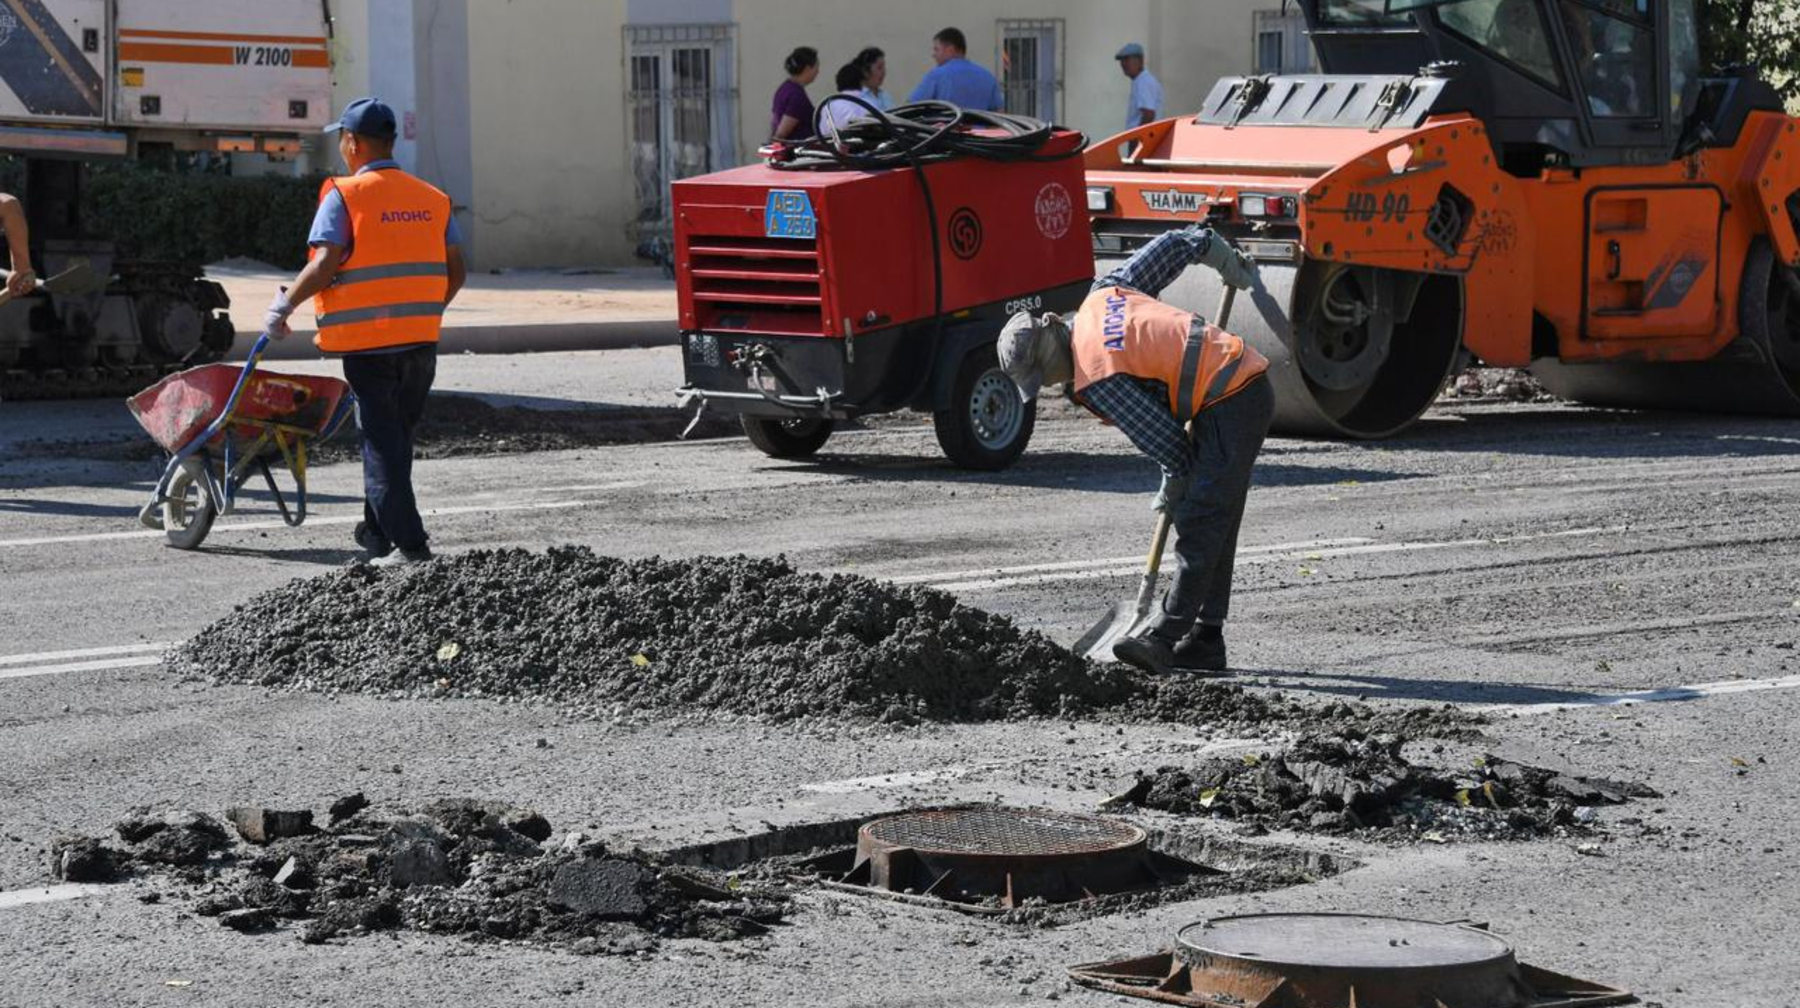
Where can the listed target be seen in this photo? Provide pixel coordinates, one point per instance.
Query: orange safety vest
(1122, 331)
(390, 289)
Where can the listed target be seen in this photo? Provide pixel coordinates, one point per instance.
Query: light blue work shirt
(331, 225)
(963, 83)
(1146, 93)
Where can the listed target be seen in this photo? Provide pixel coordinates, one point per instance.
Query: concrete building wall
(520, 110)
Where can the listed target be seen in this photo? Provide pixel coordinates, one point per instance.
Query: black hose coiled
(919, 133)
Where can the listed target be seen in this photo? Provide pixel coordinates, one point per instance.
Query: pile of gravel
(485, 870)
(602, 637)
(1349, 782)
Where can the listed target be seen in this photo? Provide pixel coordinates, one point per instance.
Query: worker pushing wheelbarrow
(222, 425)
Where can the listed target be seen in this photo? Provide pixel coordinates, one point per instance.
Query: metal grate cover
(1004, 832)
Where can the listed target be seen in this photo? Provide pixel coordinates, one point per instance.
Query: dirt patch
(1353, 783)
(481, 869)
(602, 637)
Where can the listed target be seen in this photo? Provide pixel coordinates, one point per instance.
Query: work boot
(371, 539)
(401, 557)
(1202, 650)
(1147, 650)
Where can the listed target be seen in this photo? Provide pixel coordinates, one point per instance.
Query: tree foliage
(1764, 34)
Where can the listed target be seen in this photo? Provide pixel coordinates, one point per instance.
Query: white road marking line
(93, 652)
(1696, 691)
(51, 894)
(344, 519)
(1248, 558)
(1069, 565)
(99, 664)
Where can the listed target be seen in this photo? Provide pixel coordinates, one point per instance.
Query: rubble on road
(1349, 782)
(1496, 384)
(606, 638)
(467, 867)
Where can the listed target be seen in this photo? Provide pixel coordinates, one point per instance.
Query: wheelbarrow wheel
(188, 512)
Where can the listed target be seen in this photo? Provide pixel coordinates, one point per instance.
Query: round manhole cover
(1328, 959)
(1003, 856)
(1004, 832)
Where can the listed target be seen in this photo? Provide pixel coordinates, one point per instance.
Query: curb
(501, 339)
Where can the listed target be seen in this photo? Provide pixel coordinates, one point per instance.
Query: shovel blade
(1119, 621)
(77, 279)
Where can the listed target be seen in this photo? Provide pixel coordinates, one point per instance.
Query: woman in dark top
(792, 115)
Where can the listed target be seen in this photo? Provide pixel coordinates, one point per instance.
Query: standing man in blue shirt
(1146, 90)
(955, 79)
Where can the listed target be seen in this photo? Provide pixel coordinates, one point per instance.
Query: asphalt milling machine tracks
(1539, 562)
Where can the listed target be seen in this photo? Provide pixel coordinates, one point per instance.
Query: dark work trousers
(390, 398)
(1227, 438)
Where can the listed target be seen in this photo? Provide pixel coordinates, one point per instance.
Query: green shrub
(176, 212)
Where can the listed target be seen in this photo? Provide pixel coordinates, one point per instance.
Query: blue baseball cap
(1129, 50)
(368, 117)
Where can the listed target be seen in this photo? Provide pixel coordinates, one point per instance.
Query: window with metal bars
(1030, 59)
(681, 110)
(1281, 42)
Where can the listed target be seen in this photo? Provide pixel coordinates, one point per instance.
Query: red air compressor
(872, 272)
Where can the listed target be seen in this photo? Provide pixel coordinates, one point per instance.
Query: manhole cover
(1329, 960)
(1004, 855)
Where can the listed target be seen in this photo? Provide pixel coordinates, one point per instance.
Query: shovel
(77, 279)
(1124, 616)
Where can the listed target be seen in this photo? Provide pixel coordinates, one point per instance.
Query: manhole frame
(818, 854)
(1193, 975)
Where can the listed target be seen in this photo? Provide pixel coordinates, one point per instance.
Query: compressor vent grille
(767, 286)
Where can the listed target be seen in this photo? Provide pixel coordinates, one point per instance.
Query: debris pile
(607, 638)
(468, 867)
(1502, 384)
(1351, 782)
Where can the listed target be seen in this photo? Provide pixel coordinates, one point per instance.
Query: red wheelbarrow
(221, 424)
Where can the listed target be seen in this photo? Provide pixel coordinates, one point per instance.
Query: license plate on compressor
(789, 214)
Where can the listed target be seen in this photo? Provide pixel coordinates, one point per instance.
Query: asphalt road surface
(1545, 562)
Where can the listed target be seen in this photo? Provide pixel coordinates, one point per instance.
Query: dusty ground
(1538, 557)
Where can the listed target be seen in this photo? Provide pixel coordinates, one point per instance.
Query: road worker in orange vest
(1150, 368)
(386, 260)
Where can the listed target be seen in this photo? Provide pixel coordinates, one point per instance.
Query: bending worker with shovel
(1152, 369)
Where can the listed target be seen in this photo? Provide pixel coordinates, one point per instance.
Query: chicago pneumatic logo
(965, 233)
(1055, 211)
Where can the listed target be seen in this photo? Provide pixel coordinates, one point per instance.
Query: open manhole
(1328, 960)
(1038, 865)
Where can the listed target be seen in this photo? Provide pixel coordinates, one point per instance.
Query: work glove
(1235, 268)
(275, 321)
(1169, 495)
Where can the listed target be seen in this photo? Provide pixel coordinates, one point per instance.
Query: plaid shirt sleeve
(1160, 261)
(1141, 410)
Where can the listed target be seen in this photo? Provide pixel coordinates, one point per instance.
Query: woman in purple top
(792, 115)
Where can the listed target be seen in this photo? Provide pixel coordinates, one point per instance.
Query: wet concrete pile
(601, 637)
(1350, 782)
(466, 867)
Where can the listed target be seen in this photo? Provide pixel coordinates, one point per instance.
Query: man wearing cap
(1146, 90)
(385, 262)
(1149, 368)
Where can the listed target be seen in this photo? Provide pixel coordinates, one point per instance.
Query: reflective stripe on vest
(1122, 331)
(390, 289)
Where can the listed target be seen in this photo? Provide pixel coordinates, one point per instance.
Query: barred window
(1030, 59)
(681, 110)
